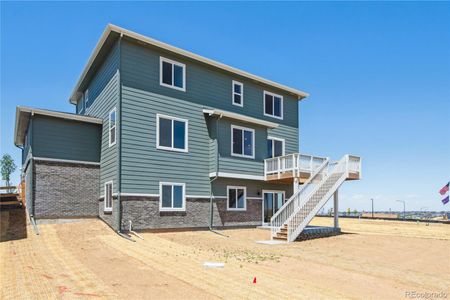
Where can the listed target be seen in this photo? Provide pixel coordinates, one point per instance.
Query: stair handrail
(295, 231)
(286, 210)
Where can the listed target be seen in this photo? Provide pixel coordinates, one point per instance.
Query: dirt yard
(85, 259)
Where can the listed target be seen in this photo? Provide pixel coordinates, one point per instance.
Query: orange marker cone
(254, 279)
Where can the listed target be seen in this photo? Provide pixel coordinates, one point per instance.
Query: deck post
(336, 208)
(295, 183)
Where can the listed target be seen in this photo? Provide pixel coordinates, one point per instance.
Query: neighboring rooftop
(23, 115)
(112, 32)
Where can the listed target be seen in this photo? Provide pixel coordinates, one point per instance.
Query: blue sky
(378, 75)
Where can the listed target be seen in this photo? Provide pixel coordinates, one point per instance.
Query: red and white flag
(444, 189)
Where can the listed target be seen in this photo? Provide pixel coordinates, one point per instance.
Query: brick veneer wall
(64, 190)
(144, 214)
(110, 217)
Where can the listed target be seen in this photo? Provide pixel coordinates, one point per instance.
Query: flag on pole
(444, 189)
(445, 200)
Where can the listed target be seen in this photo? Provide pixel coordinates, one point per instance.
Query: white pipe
(134, 232)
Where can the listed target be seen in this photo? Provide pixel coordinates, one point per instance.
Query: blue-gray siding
(254, 187)
(104, 93)
(65, 139)
(143, 166)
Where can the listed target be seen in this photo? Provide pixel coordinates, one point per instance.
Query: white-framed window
(242, 141)
(172, 74)
(236, 198)
(275, 147)
(273, 105)
(171, 133)
(108, 196)
(112, 127)
(238, 93)
(172, 196)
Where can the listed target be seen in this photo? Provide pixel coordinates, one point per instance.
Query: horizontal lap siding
(290, 136)
(254, 187)
(144, 166)
(66, 139)
(205, 85)
(104, 93)
(233, 164)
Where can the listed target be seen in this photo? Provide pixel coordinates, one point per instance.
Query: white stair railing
(301, 207)
(335, 175)
(292, 204)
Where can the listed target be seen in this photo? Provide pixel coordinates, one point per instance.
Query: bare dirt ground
(86, 259)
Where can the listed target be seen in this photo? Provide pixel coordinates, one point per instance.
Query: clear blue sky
(378, 75)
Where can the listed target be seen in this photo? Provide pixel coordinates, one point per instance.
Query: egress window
(238, 93)
(172, 74)
(112, 127)
(172, 133)
(273, 105)
(236, 198)
(242, 141)
(172, 196)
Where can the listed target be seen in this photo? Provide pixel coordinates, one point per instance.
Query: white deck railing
(294, 163)
(304, 204)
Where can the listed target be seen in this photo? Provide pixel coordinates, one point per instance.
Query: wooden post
(336, 209)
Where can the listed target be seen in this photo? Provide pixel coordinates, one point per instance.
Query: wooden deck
(288, 177)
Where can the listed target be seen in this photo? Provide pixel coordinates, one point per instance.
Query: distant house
(165, 138)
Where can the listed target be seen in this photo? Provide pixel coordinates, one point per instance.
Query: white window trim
(234, 82)
(186, 149)
(183, 208)
(109, 127)
(264, 105)
(233, 187)
(108, 209)
(253, 142)
(163, 59)
(278, 139)
(270, 191)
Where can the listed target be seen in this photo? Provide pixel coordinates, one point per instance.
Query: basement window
(172, 196)
(108, 195)
(112, 127)
(172, 74)
(236, 198)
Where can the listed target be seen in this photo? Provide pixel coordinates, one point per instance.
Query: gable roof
(119, 31)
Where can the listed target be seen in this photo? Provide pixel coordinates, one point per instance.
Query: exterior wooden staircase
(293, 217)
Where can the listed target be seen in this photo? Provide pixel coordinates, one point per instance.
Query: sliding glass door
(273, 200)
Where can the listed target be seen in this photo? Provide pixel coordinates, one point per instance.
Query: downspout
(211, 205)
(30, 214)
(119, 169)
